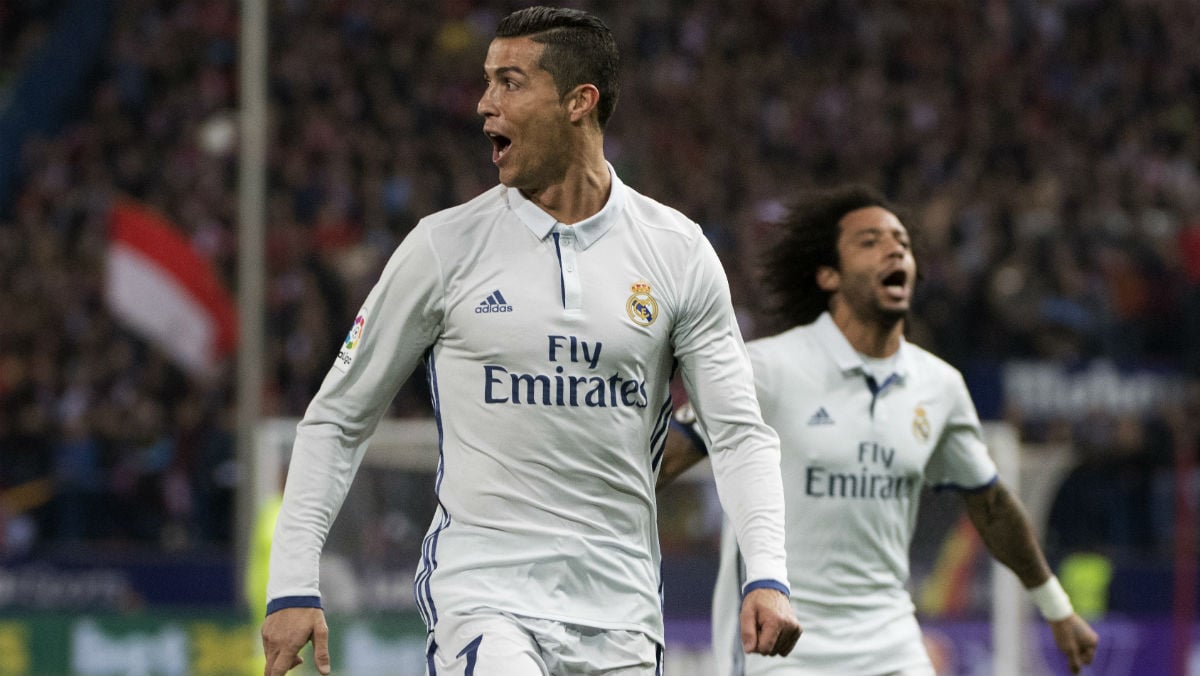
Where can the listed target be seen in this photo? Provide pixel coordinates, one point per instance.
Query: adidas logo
(821, 417)
(493, 303)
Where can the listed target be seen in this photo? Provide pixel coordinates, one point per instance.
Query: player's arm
(1005, 529)
(685, 446)
(743, 450)
(397, 323)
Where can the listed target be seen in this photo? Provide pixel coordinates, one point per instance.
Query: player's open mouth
(500, 145)
(896, 283)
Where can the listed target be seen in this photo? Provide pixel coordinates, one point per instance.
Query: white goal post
(1033, 473)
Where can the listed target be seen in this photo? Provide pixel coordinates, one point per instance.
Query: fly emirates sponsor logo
(575, 380)
(875, 479)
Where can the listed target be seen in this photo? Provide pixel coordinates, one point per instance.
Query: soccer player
(865, 418)
(550, 313)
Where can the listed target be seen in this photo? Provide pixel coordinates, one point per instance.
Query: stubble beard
(889, 318)
(549, 169)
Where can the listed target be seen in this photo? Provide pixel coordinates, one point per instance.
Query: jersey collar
(541, 224)
(846, 357)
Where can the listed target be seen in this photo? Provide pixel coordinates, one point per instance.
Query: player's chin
(892, 312)
(892, 300)
(511, 178)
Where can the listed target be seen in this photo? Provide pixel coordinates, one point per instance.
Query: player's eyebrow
(871, 231)
(878, 231)
(505, 70)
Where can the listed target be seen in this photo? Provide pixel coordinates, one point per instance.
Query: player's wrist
(766, 584)
(293, 602)
(1051, 600)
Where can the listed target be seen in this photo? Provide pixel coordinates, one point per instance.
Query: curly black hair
(805, 241)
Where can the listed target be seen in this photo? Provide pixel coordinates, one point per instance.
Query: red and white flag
(159, 287)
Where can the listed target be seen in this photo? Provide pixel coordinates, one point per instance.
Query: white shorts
(860, 644)
(500, 644)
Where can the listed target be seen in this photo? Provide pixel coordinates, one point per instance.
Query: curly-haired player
(865, 419)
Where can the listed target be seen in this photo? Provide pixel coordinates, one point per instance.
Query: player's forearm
(1005, 529)
(318, 478)
(680, 455)
(751, 491)
(743, 450)
(684, 446)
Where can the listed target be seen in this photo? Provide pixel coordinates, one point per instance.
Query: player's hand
(769, 625)
(1076, 640)
(285, 632)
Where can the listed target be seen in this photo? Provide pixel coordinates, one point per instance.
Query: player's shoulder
(467, 215)
(649, 213)
(798, 341)
(454, 232)
(789, 365)
(930, 366)
(795, 353)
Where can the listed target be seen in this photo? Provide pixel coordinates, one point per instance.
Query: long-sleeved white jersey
(857, 449)
(549, 350)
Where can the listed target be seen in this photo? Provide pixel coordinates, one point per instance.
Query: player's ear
(581, 101)
(828, 278)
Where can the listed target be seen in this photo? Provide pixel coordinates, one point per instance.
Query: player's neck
(877, 339)
(581, 194)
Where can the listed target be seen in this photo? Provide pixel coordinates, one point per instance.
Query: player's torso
(852, 477)
(550, 335)
(853, 466)
(840, 446)
(551, 380)
(517, 308)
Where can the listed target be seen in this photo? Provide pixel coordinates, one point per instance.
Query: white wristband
(1051, 600)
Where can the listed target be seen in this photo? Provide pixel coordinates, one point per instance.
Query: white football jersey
(854, 458)
(549, 351)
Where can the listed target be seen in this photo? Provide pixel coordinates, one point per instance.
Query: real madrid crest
(920, 425)
(641, 306)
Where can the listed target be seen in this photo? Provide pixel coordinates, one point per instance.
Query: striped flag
(159, 287)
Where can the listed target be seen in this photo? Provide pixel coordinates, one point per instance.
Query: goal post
(1034, 474)
(1010, 606)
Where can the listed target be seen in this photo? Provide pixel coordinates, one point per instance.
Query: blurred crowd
(1048, 149)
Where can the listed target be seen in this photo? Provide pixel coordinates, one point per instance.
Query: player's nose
(486, 107)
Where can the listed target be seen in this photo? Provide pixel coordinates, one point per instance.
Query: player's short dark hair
(805, 241)
(580, 49)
